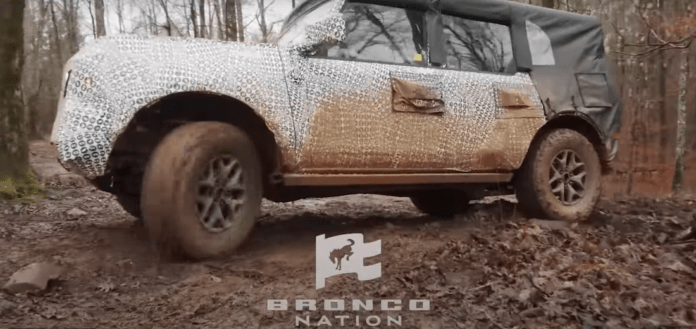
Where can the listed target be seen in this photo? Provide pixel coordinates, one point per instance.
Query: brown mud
(625, 268)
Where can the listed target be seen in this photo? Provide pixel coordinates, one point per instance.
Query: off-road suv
(441, 101)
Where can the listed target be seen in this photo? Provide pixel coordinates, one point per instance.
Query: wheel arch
(145, 130)
(584, 125)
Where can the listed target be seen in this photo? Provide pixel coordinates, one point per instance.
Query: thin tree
(221, 33)
(201, 11)
(34, 29)
(210, 20)
(119, 13)
(14, 158)
(99, 12)
(240, 20)
(168, 24)
(56, 35)
(261, 18)
(152, 17)
(230, 20)
(193, 18)
(91, 15)
(70, 17)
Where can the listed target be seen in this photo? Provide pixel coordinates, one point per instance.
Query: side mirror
(323, 34)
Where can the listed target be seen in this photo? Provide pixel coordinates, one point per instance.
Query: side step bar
(393, 179)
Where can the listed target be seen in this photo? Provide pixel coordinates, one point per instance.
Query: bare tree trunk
(185, 5)
(230, 20)
(548, 3)
(40, 26)
(210, 20)
(70, 17)
(240, 20)
(201, 11)
(153, 18)
(119, 13)
(168, 24)
(99, 11)
(681, 121)
(193, 18)
(56, 36)
(94, 25)
(13, 141)
(221, 34)
(262, 21)
(34, 28)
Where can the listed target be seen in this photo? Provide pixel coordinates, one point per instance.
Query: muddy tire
(201, 191)
(561, 177)
(441, 204)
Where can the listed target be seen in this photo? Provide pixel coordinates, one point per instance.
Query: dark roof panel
(495, 11)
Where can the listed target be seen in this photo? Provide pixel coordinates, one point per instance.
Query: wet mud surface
(631, 266)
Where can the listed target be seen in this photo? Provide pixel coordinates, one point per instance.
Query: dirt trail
(486, 269)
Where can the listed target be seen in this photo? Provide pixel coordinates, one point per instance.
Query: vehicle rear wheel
(561, 177)
(443, 204)
(202, 190)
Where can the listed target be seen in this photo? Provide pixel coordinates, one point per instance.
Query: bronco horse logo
(338, 254)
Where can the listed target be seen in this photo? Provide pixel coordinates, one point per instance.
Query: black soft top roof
(495, 11)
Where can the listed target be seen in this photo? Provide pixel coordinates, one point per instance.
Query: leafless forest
(631, 265)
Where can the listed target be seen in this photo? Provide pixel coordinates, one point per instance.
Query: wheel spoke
(579, 179)
(574, 163)
(572, 194)
(559, 191)
(556, 176)
(227, 166)
(235, 170)
(562, 160)
(234, 182)
(220, 194)
(234, 206)
(204, 203)
(215, 216)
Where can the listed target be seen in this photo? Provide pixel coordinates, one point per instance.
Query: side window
(477, 46)
(381, 34)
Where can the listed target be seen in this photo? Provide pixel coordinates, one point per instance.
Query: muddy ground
(631, 266)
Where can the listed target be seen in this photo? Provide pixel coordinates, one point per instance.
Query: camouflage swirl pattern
(324, 113)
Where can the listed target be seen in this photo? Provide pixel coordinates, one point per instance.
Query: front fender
(107, 82)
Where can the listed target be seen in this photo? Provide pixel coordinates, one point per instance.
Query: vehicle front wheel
(443, 204)
(561, 177)
(201, 190)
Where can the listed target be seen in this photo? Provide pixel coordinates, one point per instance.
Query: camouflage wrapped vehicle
(441, 101)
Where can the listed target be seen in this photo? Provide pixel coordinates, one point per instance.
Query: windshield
(308, 13)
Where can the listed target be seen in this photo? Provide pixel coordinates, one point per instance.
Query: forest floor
(629, 266)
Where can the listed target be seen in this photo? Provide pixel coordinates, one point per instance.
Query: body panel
(348, 121)
(115, 77)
